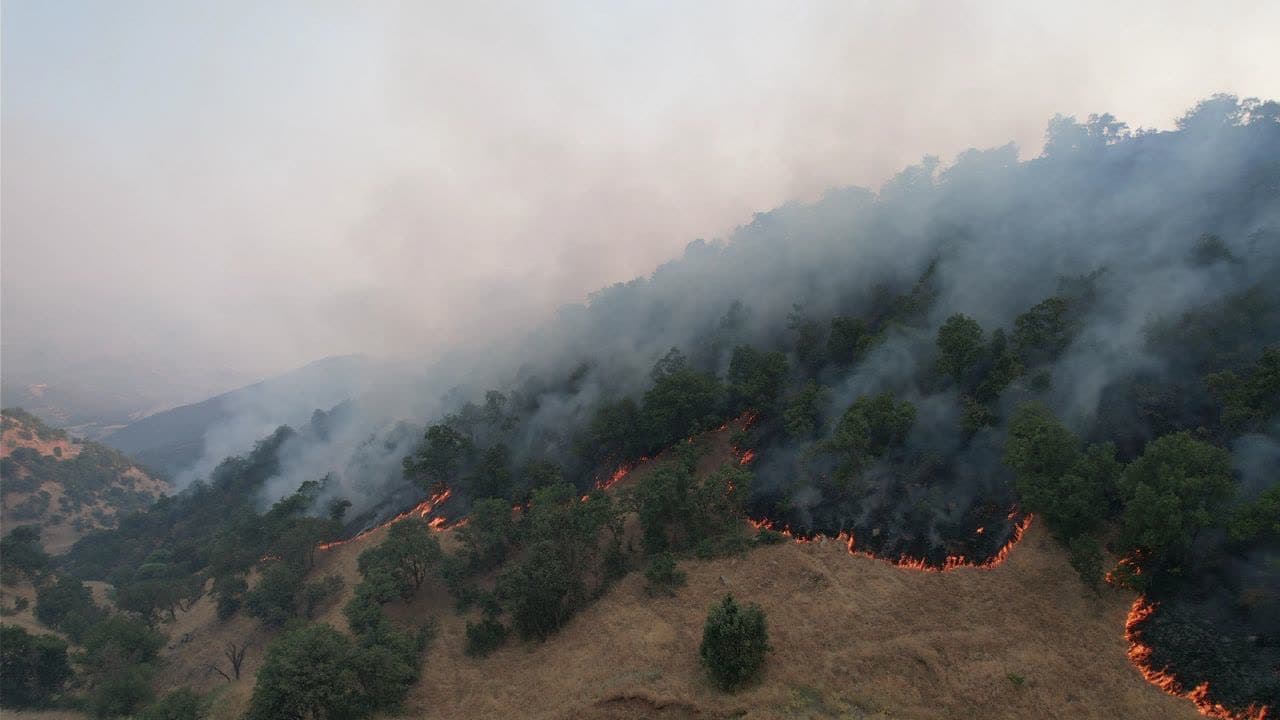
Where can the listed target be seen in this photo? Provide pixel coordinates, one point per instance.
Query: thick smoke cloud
(1113, 215)
(398, 180)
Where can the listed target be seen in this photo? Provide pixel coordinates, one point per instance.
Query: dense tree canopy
(1178, 486)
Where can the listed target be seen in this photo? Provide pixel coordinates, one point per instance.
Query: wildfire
(1140, 656)
(906, 561)
(422, 509)
(617, 476)
(747, 457)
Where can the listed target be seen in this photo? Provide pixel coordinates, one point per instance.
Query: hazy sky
(251, 186)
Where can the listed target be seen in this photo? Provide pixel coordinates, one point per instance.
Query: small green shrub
(735, 640)
(769, 537)
(485, 636)
(662, 575)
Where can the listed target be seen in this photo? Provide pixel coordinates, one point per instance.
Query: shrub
(33, 668)
(663, 576)
(769, 537)
(735, 640)
(122, 691)
(1086, 558)
(181, 704)
(68, 606)
(485, 636)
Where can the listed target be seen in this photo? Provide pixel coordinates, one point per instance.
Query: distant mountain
(65, 485)
(174, 440)
(91, 396)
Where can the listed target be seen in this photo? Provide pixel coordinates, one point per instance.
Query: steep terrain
(173, 440)
(853, 637)
(66, 486)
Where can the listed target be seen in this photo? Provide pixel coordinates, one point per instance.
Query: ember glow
(905, 561)
(1163, 678)
(422, 510)
(619, 474)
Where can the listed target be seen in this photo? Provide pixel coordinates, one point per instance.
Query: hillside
(850, 414)
(173, 440)
(66, 486)
(853, 637)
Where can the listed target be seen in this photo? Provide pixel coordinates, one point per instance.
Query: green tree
(1003, 366)
(809, 344)
(20, 551)
(1260, 518)
(678, 511)
(311, 672)
(735, 641)
(1178, 486)
(122, 691)
(485, 636)
(800, 417)
(960, 343)
(849, 340)
(540, 591)
(409, 553)
(564, 550)
(181, 704)
(488, 534)
(118, 660)
(440, 456)
(67, 605)
(681, 402)
(33, 668)
(755, 379)
(1086, 559)
(871, 426)
(1249, 402)
(1042, 333)
(614, 432)
(1068, 486)
(275, 598)
(492, 477)
(663, 575)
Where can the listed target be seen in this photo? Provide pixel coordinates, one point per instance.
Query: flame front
(422, 510)
(906, 561)
(1140, 655)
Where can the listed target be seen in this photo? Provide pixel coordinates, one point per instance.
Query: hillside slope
(852, 636)
(65, 485)
(173, 440)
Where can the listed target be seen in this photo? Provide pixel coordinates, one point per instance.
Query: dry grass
(43, 714)
(58, 537)
(853, 638)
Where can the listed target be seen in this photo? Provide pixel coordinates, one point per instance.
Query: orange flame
(747, 457)
(1140, 656)
(906, 561)
(422, 509)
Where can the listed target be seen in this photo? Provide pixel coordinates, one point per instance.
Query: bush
(1086, 558)
(33, 668)
(485, 636)
(181, 704)
(734, 642)
(274, 598)
(67, 605)
(317, 672)
(767, 536)
(662, 576)
(122, 691)
(310, 672)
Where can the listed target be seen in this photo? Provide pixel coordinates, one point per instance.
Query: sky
(228, 190)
